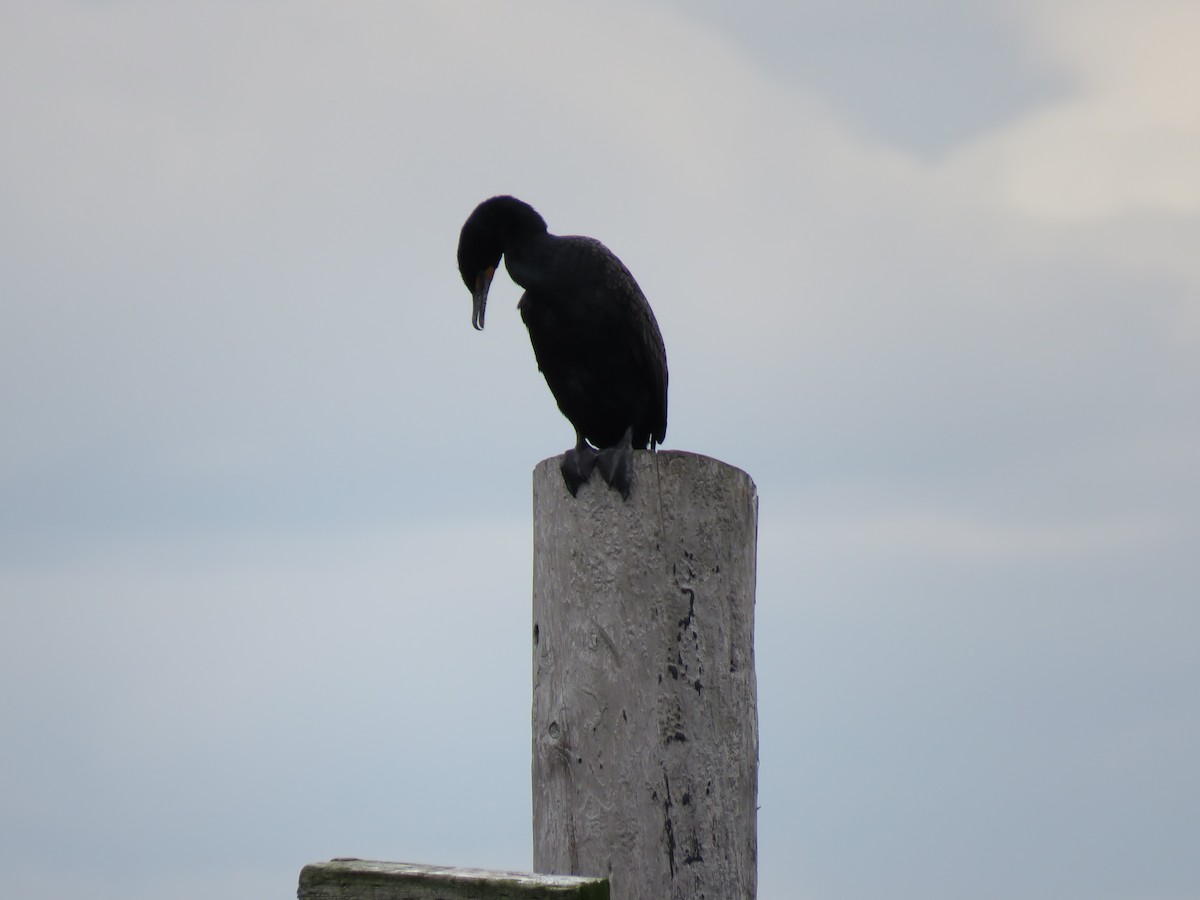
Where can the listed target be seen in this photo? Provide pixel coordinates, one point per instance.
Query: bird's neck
(529, 260)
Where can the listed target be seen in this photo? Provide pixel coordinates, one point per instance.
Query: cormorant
(594, 336)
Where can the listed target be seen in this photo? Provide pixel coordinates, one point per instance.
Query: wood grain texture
(358, 879)
(645, 726)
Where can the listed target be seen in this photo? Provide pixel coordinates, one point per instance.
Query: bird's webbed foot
(577, 465)
(616, 464)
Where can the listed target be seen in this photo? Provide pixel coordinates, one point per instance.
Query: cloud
(1124, 141)
(929, 535)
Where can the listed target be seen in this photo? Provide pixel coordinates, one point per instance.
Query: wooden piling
(645, 724)
(361, 879)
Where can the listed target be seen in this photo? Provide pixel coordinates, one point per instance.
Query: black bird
(594, 336)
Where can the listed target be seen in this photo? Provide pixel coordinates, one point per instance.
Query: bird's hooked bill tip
(478, 308)
(479, 297)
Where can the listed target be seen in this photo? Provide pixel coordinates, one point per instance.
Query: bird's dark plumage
(594, 336)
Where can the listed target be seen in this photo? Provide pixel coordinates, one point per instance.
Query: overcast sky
(929, 272)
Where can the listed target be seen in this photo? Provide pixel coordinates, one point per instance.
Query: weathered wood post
(361, 879)
(645, 724)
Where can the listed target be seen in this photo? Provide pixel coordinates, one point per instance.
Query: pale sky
(929, 276)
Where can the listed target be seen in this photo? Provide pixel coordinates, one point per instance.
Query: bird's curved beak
(483, 281)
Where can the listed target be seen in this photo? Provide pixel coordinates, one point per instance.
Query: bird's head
(484, 238)
(479, 253)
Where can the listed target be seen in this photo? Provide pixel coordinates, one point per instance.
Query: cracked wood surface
(645, 728)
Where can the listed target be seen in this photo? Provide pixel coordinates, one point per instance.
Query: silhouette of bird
(593, 333)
